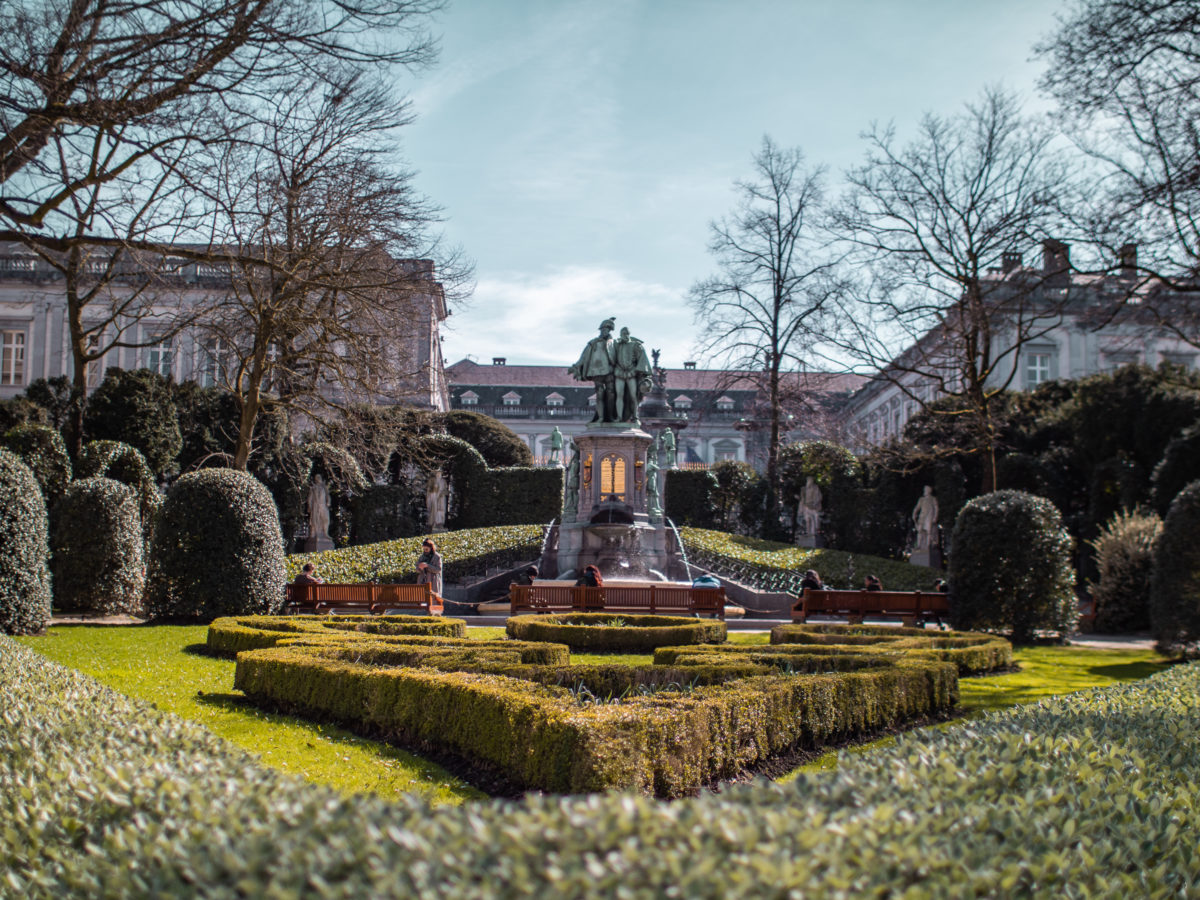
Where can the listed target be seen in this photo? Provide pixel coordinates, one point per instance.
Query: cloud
(546, 318)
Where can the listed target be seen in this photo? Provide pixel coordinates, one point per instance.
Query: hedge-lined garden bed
(1086, 795)
(972, 652)
(519, 710)
(609, 633)
(233, 634)
(464, 553)
(771, 566)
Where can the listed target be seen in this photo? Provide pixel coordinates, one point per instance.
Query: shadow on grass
(1130, 671)
(201, 650)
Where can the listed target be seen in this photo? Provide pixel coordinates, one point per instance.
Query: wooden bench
(371, 599)
(910, 606)
(641, 598)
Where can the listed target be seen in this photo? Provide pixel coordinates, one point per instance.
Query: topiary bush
(123, 463)
(24, 574)
(97, 544)
(1125, 560)
(1011, 568)
(42, 449)
(217, 549)
(499, 445)
(1175, 584)
(1179, 466)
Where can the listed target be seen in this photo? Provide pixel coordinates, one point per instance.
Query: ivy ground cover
(1091, 795)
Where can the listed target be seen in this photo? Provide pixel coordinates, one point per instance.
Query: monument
(435, 501)
(556, 446)
(810, 515)
(318, 516)
(613, 497)
(926, 551)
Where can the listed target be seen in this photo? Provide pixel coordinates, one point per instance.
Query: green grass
(1044, 672)
(154, 664)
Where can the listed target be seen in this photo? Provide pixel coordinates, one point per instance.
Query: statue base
(316, 543)
(931, 558)
(815, 541)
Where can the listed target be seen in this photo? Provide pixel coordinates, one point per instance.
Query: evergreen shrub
(24, 549)
(217, 549)
(97, 548)
(385, 512)
(1175, 584)
(1011, 569)
(610, 633)
(1125, 561)
(138, 408)
(688, 497)
(499, 445)
(42, 449)
(1079, 796)
(1179, 466)
(123, 463)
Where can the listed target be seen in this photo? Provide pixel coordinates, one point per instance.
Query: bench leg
(908, 621)
(854, 620)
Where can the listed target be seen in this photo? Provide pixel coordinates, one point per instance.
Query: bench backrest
(879, 602)
(642, 598)
(332, 595)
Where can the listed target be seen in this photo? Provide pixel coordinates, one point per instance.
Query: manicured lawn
(152, 663)
(155, 664)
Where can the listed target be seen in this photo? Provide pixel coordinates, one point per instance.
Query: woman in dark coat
(590, 578)
(429, 567)
(812, 581)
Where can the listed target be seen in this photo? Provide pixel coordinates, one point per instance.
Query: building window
(592, 400)
(725, 451)
(160, 357)
(683, 402)
(468, 398)
(724, 404)
(1184, 360)
(12, 358)
(213, 365)
(555, 399)
(1115, 359)
(1037, 369)
(511, 399)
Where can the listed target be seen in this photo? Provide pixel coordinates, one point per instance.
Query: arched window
(612, 478)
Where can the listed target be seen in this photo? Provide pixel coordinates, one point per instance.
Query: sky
(579, 150)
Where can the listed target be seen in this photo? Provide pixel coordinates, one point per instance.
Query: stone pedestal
(611, 527)
(811, 540)
(931, 558)
(317, 542)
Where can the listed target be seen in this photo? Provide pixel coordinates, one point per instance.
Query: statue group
(620, 370)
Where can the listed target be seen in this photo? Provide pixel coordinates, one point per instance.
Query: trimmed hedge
(668, 743)
(1125, 562)
(229, 636)
(217, 549)
(1175, 585)
(688, 497)
(1073, 796)
(97, 548)
(464, 553)
(611, 633)
(1012, 567)
(972, 653)
(772, 566)
(123, 463)
(24, 550)
(42, 449)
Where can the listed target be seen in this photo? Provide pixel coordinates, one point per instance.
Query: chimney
(499, 360)
(690, 364)
(1056, 263)
(1127, 256)
(1010, 261)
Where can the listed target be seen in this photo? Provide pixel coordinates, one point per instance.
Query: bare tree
(326, 306)
(775, 286)
(1127, 73)
(943, 306)
(156, 79)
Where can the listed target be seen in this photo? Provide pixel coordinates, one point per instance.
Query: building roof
(469, 372)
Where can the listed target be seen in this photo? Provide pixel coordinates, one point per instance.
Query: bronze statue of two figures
(620, 370)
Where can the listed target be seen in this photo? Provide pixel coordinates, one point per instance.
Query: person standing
(429, 566)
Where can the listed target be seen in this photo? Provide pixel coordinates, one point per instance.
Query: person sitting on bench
(811, 581)
(873, 583)
(308, 575)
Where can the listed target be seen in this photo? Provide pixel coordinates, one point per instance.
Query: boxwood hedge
(229, 636)
(42, 449)
(669, 743)
(97, 548)
(1090, 794)
(609, 633)
(972, 652)
(24, 550)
